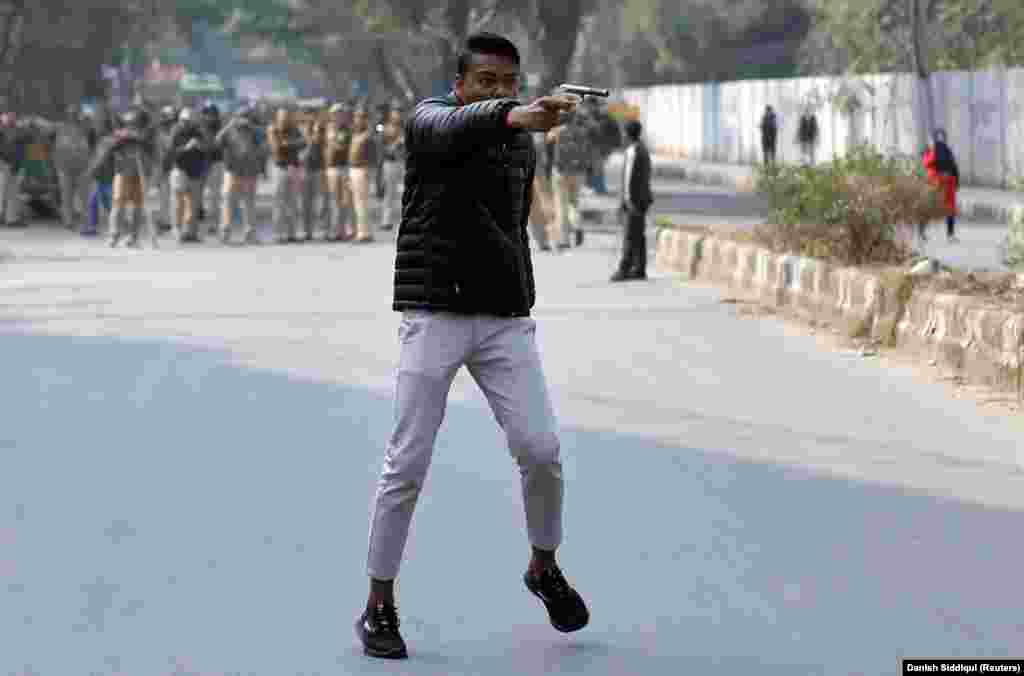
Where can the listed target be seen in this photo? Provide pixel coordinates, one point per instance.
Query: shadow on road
(165, 510)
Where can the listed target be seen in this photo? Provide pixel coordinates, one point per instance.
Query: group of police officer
(323, 163)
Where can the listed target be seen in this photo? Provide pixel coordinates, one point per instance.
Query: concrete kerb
(979, 341)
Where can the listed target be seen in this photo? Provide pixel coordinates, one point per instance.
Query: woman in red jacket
(945, 175)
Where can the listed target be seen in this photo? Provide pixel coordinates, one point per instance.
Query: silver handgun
(584, 91)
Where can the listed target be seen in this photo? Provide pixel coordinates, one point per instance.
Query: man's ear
(460, 86)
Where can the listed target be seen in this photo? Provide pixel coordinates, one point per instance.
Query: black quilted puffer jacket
(462, 244)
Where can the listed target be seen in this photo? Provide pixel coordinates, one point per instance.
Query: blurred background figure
(359, 164)
(392, 171)
(944, 174)
(807, 136)
(636, 200)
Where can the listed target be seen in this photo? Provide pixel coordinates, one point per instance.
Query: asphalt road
(191, 439)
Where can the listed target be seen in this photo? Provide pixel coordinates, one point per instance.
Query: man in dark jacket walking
(769, 134)
(636, 200)
(464, 284)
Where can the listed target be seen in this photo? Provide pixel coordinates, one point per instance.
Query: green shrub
(851, 210)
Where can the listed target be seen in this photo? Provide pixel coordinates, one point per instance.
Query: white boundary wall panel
(982, 112)
(989, 126)
(1015, 124)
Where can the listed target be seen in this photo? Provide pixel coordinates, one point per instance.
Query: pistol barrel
(582, 90)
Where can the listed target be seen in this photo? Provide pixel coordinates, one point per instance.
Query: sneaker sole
(564, 628)
(373, 652)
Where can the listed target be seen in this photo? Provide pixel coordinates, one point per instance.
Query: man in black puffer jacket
(464, 284)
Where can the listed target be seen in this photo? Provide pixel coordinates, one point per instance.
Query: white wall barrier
(982, 111)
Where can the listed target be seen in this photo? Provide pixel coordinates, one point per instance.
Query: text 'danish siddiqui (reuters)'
(962, 666)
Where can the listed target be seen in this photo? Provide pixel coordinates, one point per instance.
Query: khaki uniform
(336, 152)
(241, 179)
(286, 177)
(359, 174)
(312, 194)
(393, 174)
(572, 157)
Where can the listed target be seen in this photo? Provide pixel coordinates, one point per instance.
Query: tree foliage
(861, 36)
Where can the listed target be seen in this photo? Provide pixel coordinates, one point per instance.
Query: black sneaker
(565, 606)
(377, 629)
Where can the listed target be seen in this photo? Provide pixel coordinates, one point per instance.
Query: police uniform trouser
(567, 199)
(11, 204)
(286, 204)
(129, 203)
(540, 212)
(163, 209)
(213, 185)
(340, 188)
(72, 195)
(6, 183)
(187, 193)
(360, 177)
(312, 184)
(502, 357)
(393, 175)
(239, 192)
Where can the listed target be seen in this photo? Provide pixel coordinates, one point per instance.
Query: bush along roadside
(1014, 245)
(859, 209)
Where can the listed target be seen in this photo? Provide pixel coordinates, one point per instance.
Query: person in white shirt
(636, 200)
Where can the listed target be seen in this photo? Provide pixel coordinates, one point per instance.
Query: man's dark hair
(633, 129)
(486, 43)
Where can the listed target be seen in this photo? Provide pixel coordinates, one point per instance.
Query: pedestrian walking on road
(944, 174)
(636, 200)
(769, 134)
(465, 286)
(807, 136)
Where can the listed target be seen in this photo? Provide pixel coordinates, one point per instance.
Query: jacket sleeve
(439, 127)
(524, 226)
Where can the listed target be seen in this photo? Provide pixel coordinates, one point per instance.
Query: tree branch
(478, 22)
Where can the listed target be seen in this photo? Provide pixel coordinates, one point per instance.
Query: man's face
(360, 121)
(489, 76)
(284, 118)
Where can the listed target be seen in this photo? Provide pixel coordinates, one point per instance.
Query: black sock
(950, 225)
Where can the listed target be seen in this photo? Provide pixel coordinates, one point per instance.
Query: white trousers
(501, 355)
